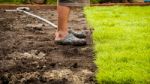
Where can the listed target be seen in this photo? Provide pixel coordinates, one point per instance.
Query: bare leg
(62, 36)
(63, 15)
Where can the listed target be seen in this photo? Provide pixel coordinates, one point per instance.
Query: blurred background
(54, 1)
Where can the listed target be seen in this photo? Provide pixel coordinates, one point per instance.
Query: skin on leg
(63, 15)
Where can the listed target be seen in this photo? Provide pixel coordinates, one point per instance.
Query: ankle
(59, 35)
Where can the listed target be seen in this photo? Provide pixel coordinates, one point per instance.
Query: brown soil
(28, 54)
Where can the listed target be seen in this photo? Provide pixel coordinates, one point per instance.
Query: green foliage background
(23, 1)
(54, 1)
(11, 1)
(48, 1)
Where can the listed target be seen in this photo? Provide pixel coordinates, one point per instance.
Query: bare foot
(60, 35)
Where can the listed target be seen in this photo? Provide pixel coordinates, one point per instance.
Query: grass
(121, 43)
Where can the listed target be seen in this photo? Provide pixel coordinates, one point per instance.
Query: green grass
(121, 43)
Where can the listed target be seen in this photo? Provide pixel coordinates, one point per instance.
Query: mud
(28, 54)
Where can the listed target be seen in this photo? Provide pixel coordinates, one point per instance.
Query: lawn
(121, 43)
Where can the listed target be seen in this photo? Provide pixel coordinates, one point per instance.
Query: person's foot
(78, 34)
(59, 35)
(70, 39)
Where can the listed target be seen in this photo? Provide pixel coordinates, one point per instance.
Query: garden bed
(28, 53)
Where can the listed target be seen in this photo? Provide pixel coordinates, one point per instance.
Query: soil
(28, 54)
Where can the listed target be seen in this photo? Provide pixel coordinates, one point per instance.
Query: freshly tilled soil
(28, 54)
